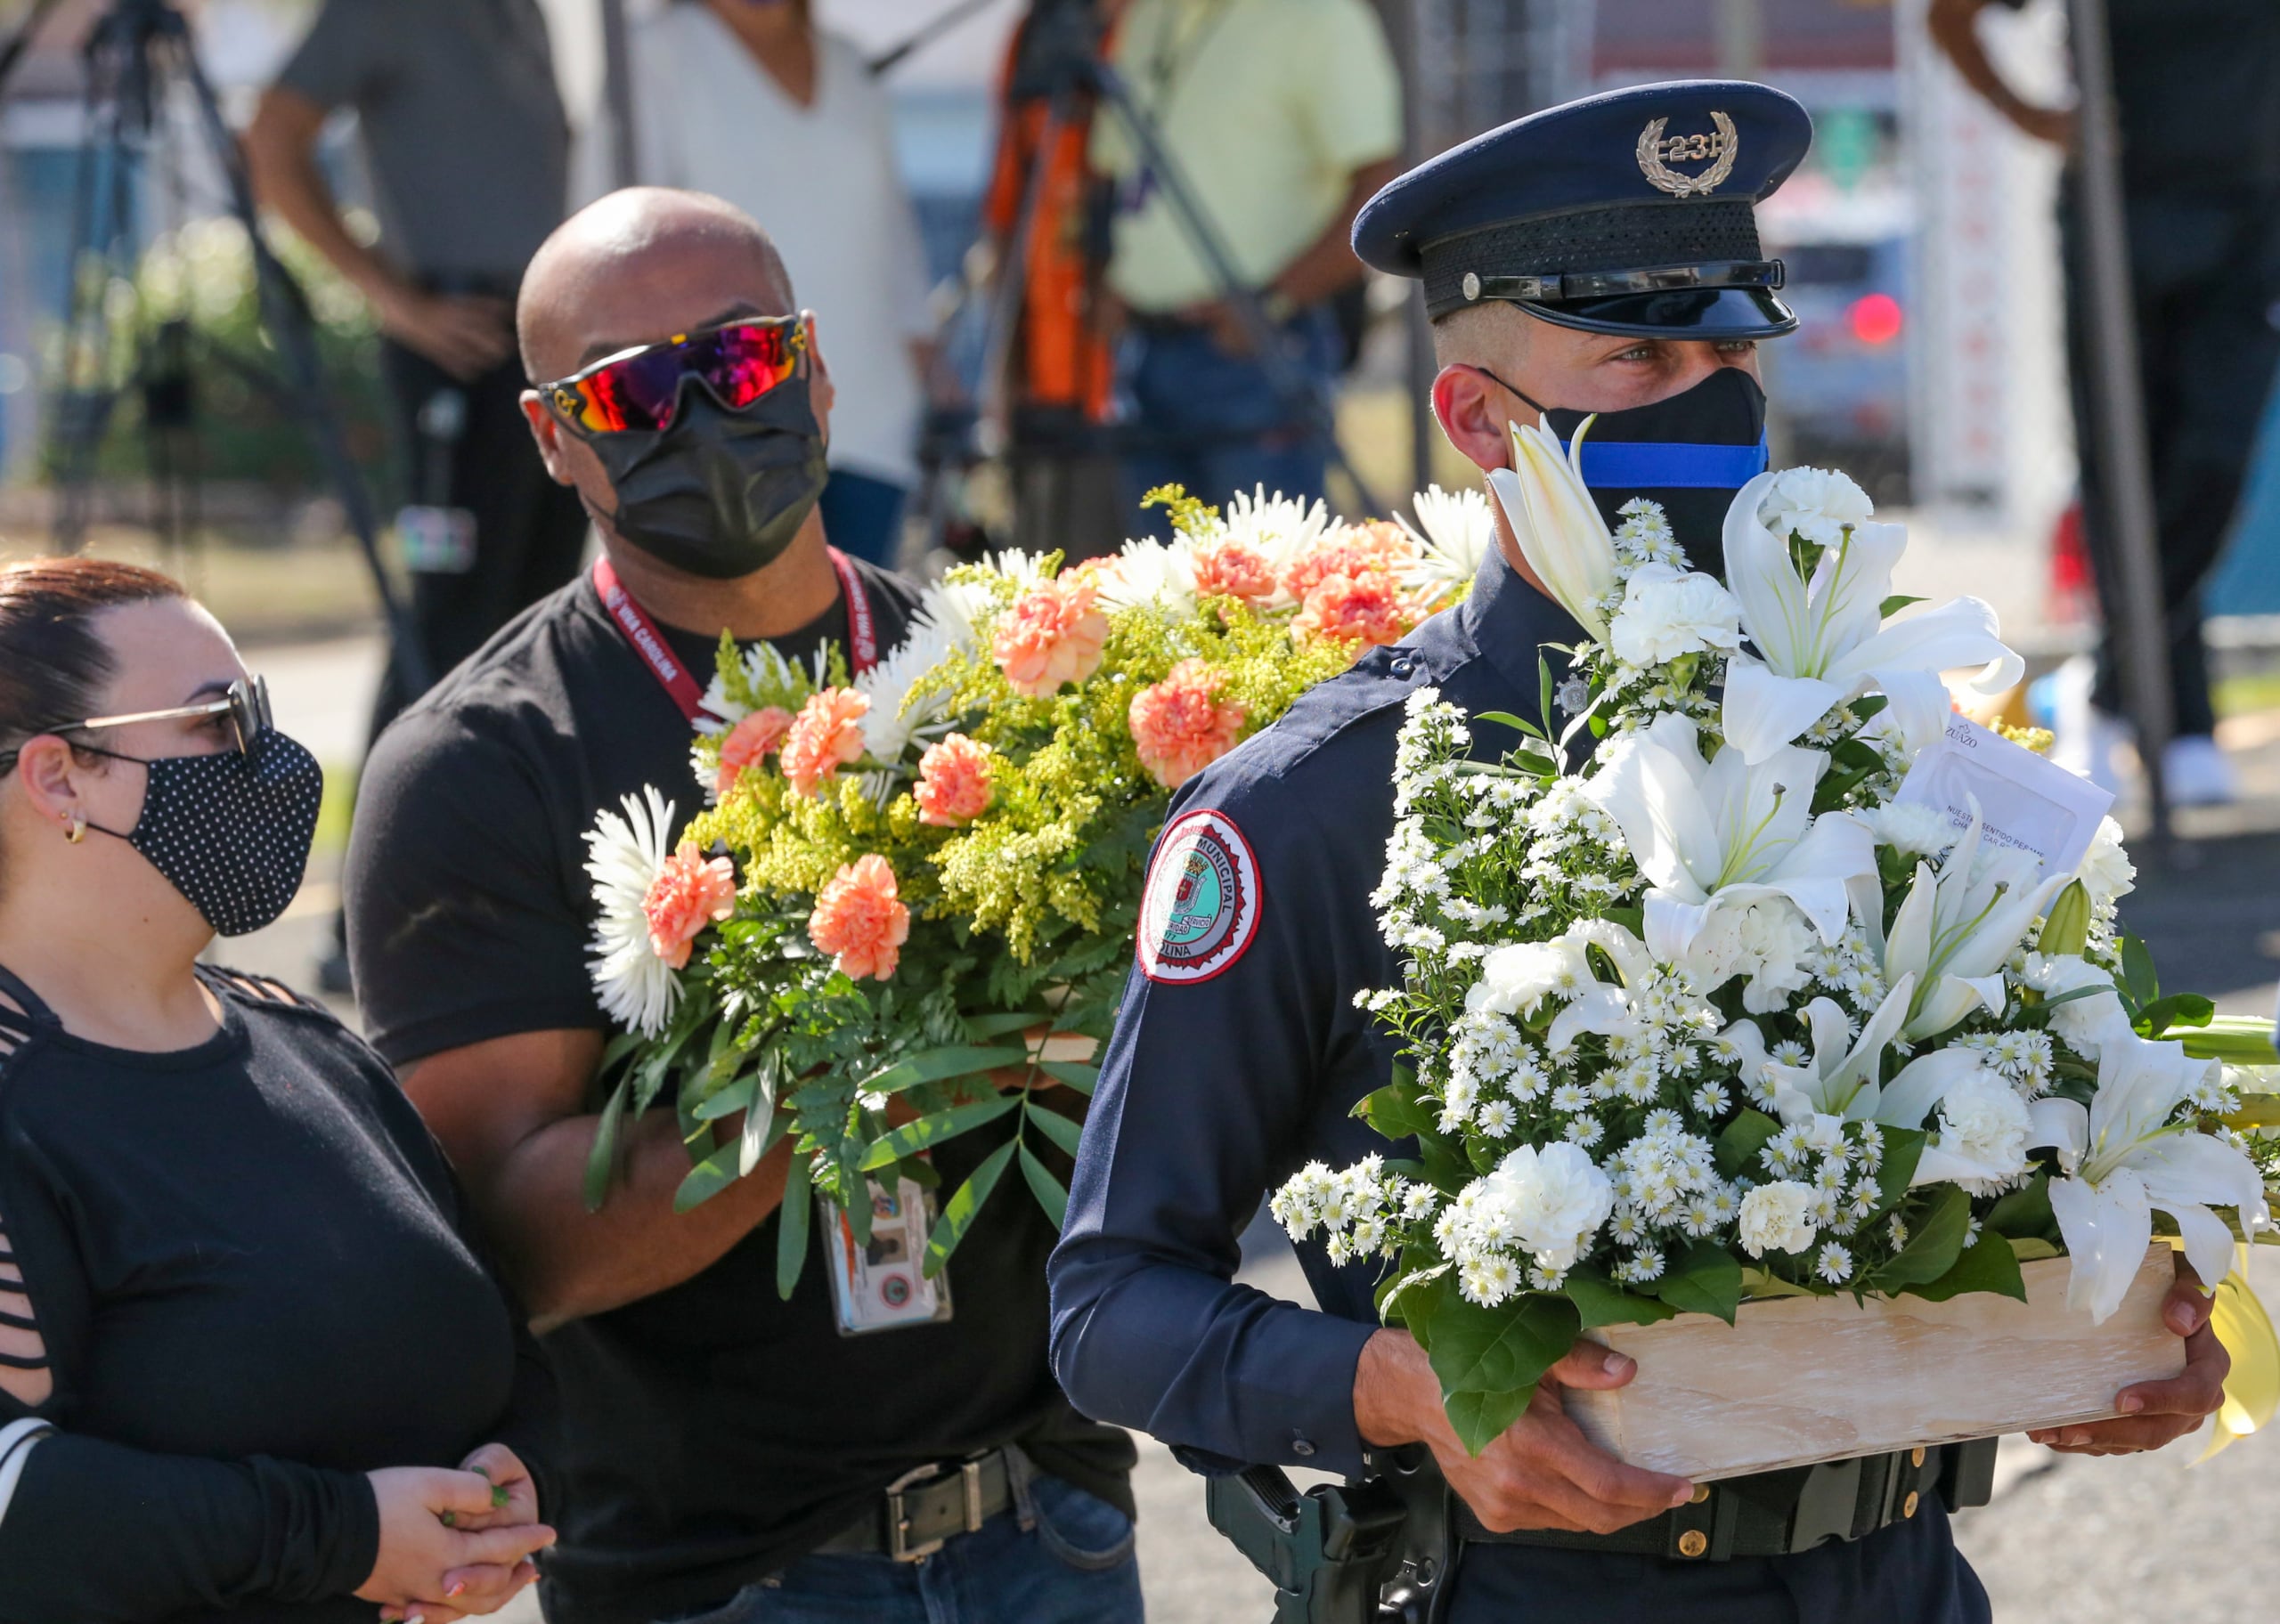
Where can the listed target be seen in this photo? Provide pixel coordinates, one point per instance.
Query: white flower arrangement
(1710, 1016)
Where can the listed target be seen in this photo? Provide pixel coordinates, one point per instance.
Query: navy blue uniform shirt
(1238, 1057)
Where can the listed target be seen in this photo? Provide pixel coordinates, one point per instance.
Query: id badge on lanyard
(882, 1286)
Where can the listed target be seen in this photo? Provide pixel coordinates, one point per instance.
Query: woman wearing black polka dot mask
(216, 1206)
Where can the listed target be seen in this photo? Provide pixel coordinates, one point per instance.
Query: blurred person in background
(250, 1360)
(750, 100)
(2197, 93)
(465, 137)
(1068, 483)
(1282, 117)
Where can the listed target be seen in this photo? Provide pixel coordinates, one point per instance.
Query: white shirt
(822, 181)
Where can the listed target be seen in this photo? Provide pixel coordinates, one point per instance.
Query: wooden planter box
(1802, 1379)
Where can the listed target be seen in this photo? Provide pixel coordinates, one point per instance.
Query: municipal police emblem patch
(1201, 908)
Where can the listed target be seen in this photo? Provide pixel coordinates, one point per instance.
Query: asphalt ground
(2122, 1541)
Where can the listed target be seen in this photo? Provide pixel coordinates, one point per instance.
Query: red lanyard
(639, 631)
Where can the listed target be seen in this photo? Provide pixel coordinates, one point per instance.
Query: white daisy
(637, 989)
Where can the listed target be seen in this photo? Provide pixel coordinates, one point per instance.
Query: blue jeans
(862, 516)
(1060, 1556)
(1213, 422)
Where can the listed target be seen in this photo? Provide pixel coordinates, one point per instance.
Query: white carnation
(2107, 873)
(1514, 980)
(1770, 942)
(1777, 1217)
(1918, 830)
(1983, 1120)
(1551, 1201)
(2084, 1024)
(1814, 503)
(1668, 612)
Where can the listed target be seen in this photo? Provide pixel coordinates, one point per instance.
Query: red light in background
(1875, 318)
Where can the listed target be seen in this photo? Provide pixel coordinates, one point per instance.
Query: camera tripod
(137, 57)
(1060, 62)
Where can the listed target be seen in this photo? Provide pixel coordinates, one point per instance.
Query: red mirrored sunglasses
(639, 388)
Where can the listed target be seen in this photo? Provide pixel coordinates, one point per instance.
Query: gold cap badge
(1656, 156)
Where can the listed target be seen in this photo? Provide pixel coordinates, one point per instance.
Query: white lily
(1558, 525)
(2123, 1158)
(1708, 834)
(1822, 640)
(1516, 978)
(1840, 1084)
(1840, 1079)
(1958, 929)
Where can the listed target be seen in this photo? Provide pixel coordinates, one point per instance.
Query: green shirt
(1267, 106)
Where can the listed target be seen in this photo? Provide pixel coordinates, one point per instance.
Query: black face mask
(1688, 453)
(720, 493)
(230, 831)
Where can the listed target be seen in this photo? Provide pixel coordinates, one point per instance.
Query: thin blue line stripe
(1672, 466)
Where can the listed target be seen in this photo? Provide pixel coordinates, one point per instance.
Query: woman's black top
(252, 1276)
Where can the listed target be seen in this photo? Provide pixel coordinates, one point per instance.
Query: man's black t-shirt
(714, 1432)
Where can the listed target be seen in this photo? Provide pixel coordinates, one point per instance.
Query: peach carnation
(1051, 636)
(1366, 609)
(824, 737)
(690, 892)
(859, 923)
(1234, 569)
(953, 781)
(1181, 726)
(748, 744)
(1354, 550)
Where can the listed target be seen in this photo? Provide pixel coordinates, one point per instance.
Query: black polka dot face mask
(231, 830)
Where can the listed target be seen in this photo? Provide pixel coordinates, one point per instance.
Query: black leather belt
(923, 1510)
(1779, 1513)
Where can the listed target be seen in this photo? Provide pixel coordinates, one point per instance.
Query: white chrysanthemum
(1455, 532)
(899, 707)
(1668, 613)
(764, 667)
(2107, 873)
(1278, 527)
(1815, 503)
(1919, 831)
(1777, 1217)
(624, 855)
(1157, 574)
(1834, 1263)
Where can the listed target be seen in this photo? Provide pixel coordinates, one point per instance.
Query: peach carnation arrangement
(901, 926)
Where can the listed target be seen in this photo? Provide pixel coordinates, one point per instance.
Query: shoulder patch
(1202, 906)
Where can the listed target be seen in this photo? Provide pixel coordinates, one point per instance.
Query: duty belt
(1779, 1513)
(922, 1510)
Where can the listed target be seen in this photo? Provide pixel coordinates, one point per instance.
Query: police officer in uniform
(1602, 257)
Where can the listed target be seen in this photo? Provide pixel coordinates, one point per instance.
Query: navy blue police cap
(1631, 212)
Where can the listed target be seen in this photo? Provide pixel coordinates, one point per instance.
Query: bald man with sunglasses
(729, 1455)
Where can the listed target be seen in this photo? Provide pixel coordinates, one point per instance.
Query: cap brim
(1700, 313)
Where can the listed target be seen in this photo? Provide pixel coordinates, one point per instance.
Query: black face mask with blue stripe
(1688, 453)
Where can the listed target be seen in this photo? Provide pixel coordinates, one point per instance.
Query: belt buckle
(899, 1545)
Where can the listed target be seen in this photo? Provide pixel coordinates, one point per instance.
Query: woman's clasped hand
(454, 1545)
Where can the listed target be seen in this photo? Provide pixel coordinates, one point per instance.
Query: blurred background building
(1919, 241)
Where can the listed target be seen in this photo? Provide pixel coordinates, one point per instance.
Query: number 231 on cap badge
(1656, 155)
